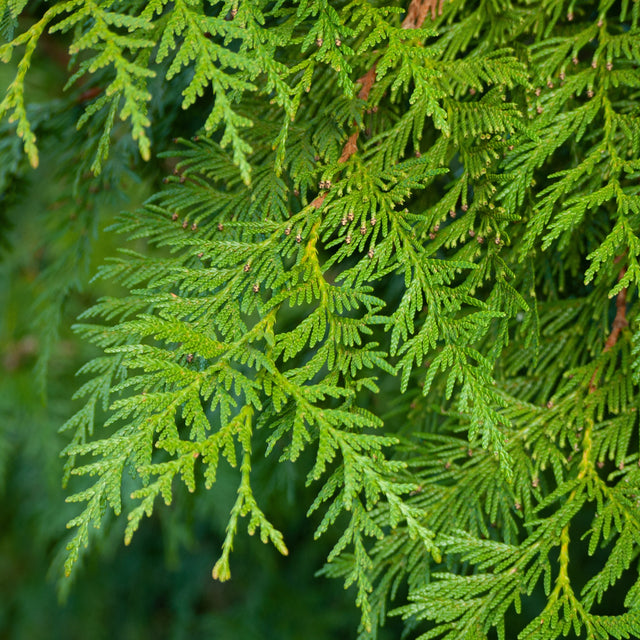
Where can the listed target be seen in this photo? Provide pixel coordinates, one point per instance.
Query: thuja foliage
(400, 251)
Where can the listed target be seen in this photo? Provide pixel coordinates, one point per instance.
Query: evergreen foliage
(400, 250)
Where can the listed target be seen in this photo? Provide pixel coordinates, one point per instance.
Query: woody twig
(416, 15)
(418, 10)
(619, 323)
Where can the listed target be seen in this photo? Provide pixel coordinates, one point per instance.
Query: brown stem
(416, 15)
(317, 203)
(619, 323)
(418, 10)
(367, 81)
(350, 147)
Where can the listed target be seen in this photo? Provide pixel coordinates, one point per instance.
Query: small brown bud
(550, 84)
(418, 154)
(570, 16)
(363, 229)
(432, 236)
(220, 226)
(350, 215)
(465, 207)
(600, 23)
(609, 66)
(287, 231)
(343, 222)
(480, 239)
(539, 109)
(594, 63)
(190, 357)
(185, 224)
(563, 75)
(174, 216)
(370, 253)
(590, 93)
(183, 179)
(338, 42)
(348, 239)
(497, 239)
(472, 232)
(319, 42)
(538, 91)
(296, 192)
(247, 267)
(194, 226)
(472, 91)
(574, 60)
(373, 222)
(298, 238)
(256, 287)
(550, 404)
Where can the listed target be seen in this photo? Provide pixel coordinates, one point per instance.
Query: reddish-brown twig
(619, 323)
(416, 15)
(317, 202)
(418, 10)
